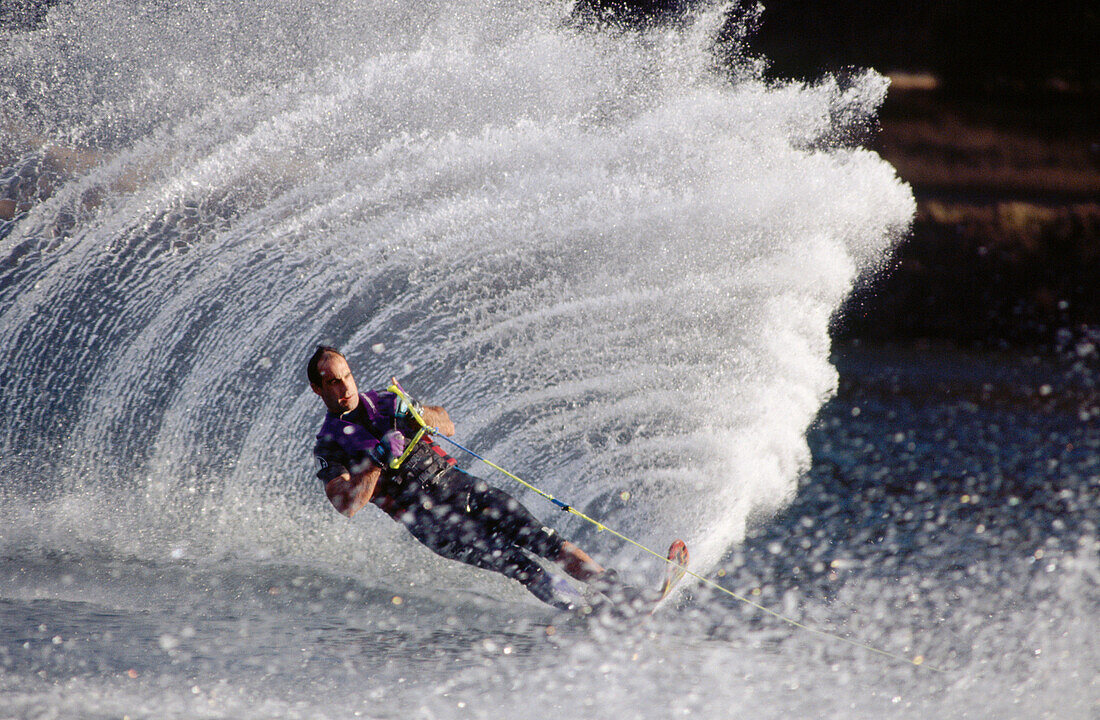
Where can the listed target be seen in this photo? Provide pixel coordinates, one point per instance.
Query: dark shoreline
(1005, 247)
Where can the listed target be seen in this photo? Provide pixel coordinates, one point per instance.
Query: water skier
(455, 514)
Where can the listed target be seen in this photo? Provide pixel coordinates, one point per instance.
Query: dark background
(994, 119)
(967, 43)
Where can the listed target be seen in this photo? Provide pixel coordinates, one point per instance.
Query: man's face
(337, 386)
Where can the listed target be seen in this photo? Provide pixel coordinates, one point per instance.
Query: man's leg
(502, 514)
(505, 517)
(486, 526)
(578, 563)
(442, 522)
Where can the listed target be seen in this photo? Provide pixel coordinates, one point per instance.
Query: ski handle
(395, 387)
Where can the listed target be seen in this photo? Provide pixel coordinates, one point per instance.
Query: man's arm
(438, 418)
(349, 492)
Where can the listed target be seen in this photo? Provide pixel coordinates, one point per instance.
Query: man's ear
(315, 388)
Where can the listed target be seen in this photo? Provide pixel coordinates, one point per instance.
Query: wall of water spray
(612, 254)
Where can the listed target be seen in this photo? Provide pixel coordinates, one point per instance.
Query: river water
(614, 257)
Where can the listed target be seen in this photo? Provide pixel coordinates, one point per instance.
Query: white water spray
(614, 264)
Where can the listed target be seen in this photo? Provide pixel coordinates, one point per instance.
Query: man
(455, 514)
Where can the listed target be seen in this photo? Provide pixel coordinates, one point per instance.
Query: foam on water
(614, 264)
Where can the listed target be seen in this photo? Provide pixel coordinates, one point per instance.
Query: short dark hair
(311, 367)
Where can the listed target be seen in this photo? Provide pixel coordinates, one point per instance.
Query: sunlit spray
(613, 261)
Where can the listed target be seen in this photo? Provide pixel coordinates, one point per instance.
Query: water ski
(676, 569)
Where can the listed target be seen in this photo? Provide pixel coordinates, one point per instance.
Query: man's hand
(348, 493)
(437, 417)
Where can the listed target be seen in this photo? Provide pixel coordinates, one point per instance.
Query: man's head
(330, 377)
